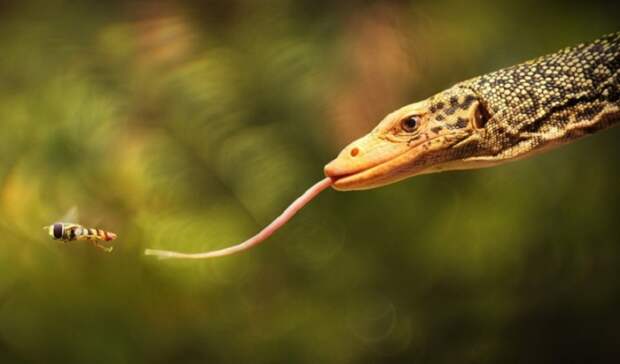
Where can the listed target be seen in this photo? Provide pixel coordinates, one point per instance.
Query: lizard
(502, 116)
(506, 115)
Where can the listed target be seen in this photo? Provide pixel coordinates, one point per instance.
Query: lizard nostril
(355, 152)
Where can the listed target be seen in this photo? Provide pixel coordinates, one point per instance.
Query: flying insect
(67, 232)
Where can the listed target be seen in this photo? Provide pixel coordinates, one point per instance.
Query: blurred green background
(190, 125)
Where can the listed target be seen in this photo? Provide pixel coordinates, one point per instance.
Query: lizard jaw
(385, 162)
(354, 165)
(375, 176)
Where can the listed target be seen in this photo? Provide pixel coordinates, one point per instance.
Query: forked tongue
(274, 226)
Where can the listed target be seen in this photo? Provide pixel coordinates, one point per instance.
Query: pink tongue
(276, 224)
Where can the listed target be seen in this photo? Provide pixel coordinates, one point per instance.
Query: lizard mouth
(385, 162)
(360, 180)
(390, 165)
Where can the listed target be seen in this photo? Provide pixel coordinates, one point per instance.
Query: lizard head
(437, 134)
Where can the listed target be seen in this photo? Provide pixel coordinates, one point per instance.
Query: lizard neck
(553, 99)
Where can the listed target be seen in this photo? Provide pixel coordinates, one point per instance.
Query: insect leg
(107, 249)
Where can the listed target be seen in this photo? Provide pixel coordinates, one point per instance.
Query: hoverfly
(67, 232)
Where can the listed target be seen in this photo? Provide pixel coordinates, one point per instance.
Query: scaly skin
(502, 116)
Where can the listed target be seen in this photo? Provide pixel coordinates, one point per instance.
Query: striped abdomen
(95, 234)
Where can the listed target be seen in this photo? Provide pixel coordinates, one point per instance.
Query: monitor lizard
(502, 116)
(495, 118)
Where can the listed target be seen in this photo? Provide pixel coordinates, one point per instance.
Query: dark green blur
(190, 125)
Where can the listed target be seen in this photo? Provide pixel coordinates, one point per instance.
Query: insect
(67, 232)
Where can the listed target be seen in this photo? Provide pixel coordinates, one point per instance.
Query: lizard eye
(410, 123)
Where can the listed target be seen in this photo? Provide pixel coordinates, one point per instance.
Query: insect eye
(410, 123)
(58, 231)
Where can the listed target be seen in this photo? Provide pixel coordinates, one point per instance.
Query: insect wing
(72, 215)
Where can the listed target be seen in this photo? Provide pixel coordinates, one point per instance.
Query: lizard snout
(345, 163)
(362, 155)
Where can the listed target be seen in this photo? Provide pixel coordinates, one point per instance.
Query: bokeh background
(190, 125)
